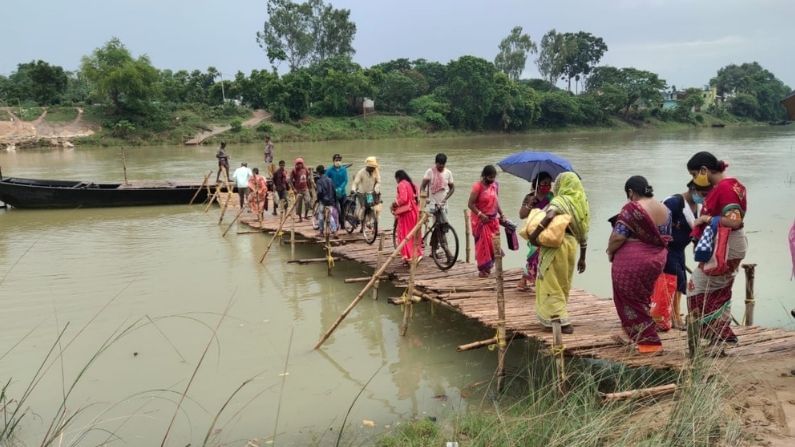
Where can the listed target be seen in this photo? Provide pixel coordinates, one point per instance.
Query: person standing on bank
(241, 176)
(637, 249)
(438, 181)
(709, 293)
(556, 264)
(268, 156)
(223, 163)
(339, 176)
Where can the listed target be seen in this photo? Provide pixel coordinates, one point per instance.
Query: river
(167, 272)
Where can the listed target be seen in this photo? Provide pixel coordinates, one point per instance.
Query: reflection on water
(105, 269)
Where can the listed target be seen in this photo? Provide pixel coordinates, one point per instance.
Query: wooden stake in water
(124, 163)
(502, 343)
(226, 204)
(237, 216)
(278, 230)
(378, 257)
(372, 281)
(292, 236)
(749, 293)
(200, 187)
(408, 304)
(468, 235)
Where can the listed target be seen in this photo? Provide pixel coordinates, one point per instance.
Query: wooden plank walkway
(594, 319)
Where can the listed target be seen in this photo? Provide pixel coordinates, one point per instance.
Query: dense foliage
(468, 93)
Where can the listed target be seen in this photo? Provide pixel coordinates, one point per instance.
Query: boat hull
(43, 194)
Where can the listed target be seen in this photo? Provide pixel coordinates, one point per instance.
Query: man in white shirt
(241, 176)
(439, 183)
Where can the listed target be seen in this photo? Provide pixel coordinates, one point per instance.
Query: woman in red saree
(406, 212)
(485, 218)
(258, 193)
(709, 294)
(637, 250)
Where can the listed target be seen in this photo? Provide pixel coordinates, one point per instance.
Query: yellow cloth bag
(552, 236)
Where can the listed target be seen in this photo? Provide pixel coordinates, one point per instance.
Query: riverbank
(64, 126)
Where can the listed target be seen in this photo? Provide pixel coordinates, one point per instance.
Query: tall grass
(533, 413)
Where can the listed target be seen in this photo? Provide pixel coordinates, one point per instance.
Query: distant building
(789, 104)
(368, 106)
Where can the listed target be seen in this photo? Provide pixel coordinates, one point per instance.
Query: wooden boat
(30, 193)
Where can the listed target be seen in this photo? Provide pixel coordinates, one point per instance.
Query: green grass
(60, 114)
(533, 413)
(28, 113)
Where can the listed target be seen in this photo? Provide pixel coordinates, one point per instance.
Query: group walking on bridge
(647, 246)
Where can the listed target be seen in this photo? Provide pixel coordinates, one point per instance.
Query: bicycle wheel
(370, 226)
(313, 216)
(444, 246)
(349, 217)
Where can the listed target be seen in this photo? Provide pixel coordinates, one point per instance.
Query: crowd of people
(647, 247)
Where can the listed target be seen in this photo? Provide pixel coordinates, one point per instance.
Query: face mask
(701, 179)
(337, 163)
(698, 199)
(545, 189)
(488, 181)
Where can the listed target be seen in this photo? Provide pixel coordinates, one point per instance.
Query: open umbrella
(528, 164)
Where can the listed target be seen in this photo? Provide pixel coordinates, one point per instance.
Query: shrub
(122, 129)
(559, 108)
(265, 127)
(237, 125)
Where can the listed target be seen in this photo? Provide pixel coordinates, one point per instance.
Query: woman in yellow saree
(556, 266)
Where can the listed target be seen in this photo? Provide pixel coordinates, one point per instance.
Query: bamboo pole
(226, 204)
(468, 235)
(378, 257)
(749, 293)
(292, 235)
(408, 306)
(237, 216)
(372, 281)
(364, 279)
(557, 351)
(278, 230)
(213, 198)
(501, 336)
(693, 335)
(326, 234)
(654, 391)
(200, 187)
(124, 163)
(477, 344)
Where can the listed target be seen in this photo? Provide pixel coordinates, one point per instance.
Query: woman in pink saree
(485, 218)
(406, 213)
(258, 193)
(637, 249)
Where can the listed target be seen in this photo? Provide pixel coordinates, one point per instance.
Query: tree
(559, 108)
(639, 86)
(130, 84)
(745, 105)
(39, 82)
(305, 33)
(552, 56)
(752, 79)
(515, 106)
(693, 99)
(582, 52)
(470, 91)
(513, 53)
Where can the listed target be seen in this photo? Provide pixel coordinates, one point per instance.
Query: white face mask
(337, 163)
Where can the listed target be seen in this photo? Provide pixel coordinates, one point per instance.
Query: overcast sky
(685, 41)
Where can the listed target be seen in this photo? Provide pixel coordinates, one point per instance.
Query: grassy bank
(533, 413)
(174, 126)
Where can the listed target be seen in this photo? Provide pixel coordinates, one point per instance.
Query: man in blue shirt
(339, 177)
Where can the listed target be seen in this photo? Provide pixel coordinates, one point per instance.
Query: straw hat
(371, 162)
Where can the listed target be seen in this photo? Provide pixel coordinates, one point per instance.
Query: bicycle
(369, 225)
(442, 234)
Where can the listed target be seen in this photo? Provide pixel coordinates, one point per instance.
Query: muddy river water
(155, 281)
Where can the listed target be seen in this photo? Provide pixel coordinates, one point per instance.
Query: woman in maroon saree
(637, 251)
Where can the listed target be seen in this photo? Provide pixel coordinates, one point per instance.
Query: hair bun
(722, 165)
(648, 190)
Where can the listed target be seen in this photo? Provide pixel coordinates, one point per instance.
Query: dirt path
(257, 117)
(16, 132)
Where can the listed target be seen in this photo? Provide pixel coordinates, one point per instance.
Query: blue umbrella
(528, 164)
